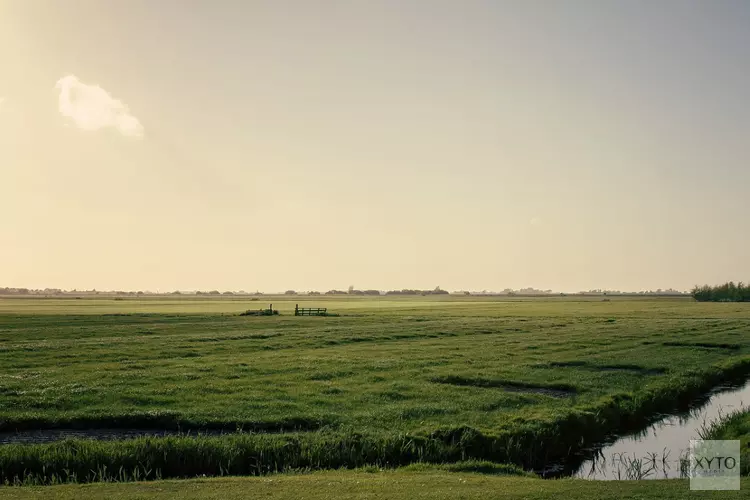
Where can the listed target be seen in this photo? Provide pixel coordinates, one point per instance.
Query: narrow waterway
(656, 452)
(50, 435)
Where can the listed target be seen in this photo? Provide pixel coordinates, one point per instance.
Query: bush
(260, 312)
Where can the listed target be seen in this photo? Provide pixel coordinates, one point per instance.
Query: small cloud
(90, 107)
(535, 221)
(2, 100)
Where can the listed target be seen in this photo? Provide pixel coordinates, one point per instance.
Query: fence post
(296, 309)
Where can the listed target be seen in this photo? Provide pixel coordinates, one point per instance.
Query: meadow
(391, 381)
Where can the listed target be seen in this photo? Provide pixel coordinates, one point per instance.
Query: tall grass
(733, 425)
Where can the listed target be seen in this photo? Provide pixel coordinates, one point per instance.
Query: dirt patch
(703, 345)
(50, 435)
(227, 338)
(331, 375)
(614, 367)
(552, 390)
(134, 425)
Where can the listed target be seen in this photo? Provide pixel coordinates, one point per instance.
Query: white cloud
(90, 107)
(535, 221)
(2, 100)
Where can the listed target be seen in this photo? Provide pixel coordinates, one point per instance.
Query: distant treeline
(524, 292)
(728, 292)
(27, 291)
(436, 291)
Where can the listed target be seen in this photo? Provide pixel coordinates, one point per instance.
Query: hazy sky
(179, 144)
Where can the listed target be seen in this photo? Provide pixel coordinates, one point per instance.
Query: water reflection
(660, 451)
(619, 466)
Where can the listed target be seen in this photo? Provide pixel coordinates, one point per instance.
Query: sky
(310, 145)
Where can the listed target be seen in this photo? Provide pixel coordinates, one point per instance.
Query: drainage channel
(658, 451)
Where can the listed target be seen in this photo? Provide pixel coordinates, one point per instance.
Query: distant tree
(228, 293)
(313, 293)
(728, 292)
(214, 292)
(351, 289)
(406, 291)
(290, 292)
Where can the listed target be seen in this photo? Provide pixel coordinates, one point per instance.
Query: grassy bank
(391, 485)
(735, 425)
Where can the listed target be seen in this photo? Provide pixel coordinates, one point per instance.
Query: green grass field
(384, 485)
(389, 382)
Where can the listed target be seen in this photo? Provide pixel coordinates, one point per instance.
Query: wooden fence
(309, 311)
